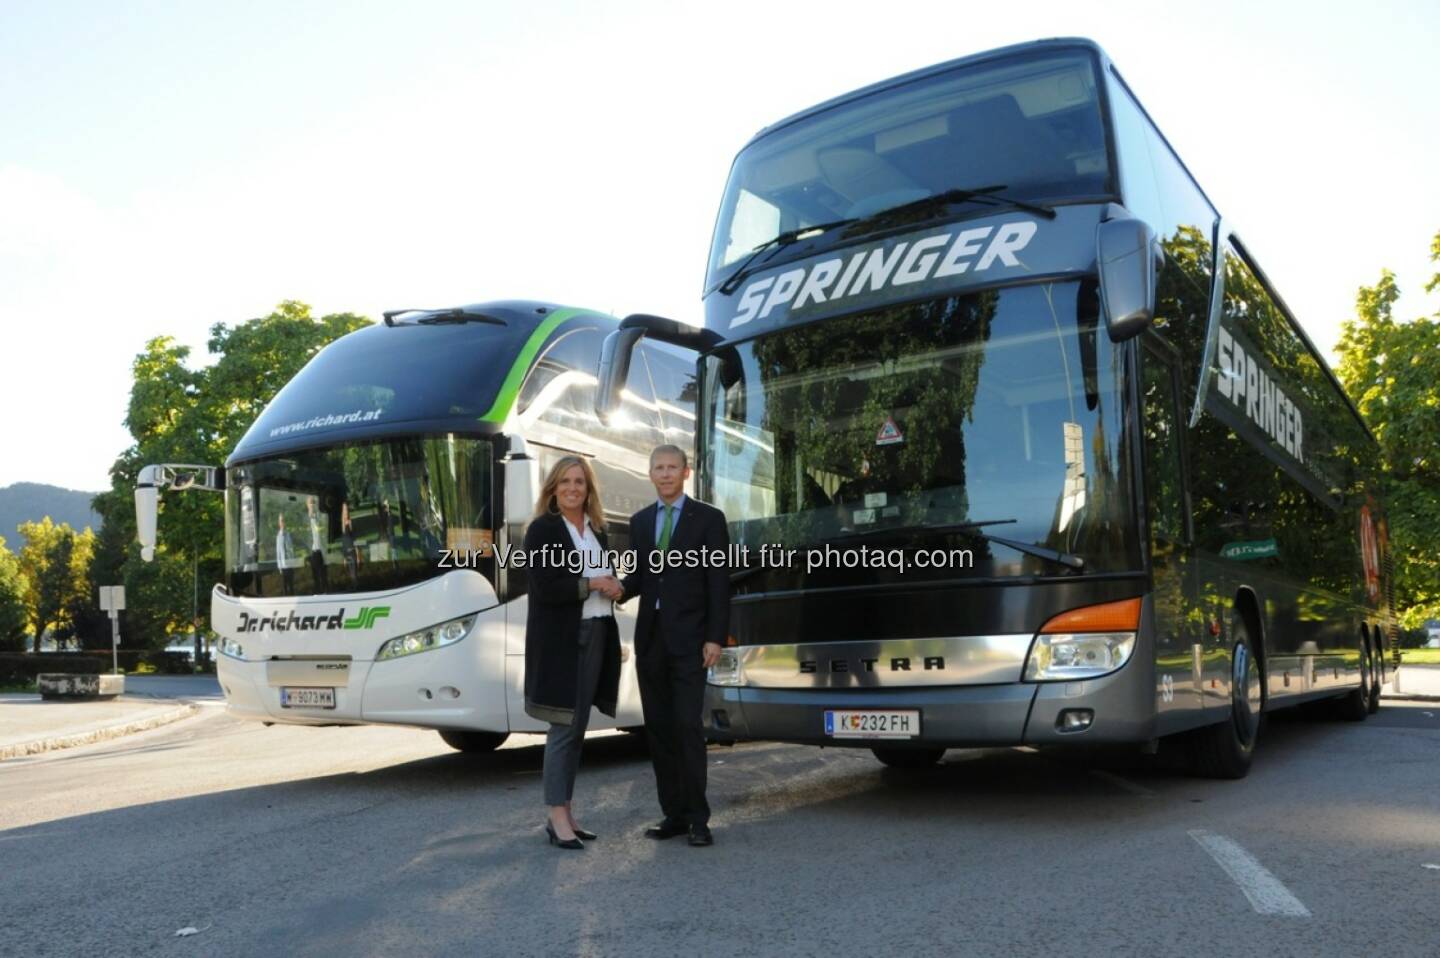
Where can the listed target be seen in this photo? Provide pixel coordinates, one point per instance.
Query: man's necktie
(664, 541)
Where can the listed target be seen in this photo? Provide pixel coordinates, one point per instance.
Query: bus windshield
(892, 428)
(356, 518)
(1026, 127)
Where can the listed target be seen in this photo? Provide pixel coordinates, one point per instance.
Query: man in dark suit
(681, 626)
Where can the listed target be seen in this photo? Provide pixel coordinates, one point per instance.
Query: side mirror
(147, 504)
(615, 355)
(522, 482)
(1129, 256)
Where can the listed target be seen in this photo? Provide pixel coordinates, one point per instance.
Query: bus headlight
(232, 648)
(423, 640)
(1084, 643)
(1063, 656)
(728, 670)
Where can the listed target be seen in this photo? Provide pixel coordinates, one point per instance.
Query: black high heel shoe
(559, 842)
(582, 833)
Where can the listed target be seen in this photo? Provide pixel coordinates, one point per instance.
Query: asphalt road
(376, 841)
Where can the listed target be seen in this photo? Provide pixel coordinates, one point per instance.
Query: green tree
(1392, 370)
(13, 617)
(182, 415)
(54, 563)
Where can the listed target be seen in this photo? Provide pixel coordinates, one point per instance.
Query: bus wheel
(909, 757)
(1354, 706)
(1225, 750)
(1376, 679)
(468, 741)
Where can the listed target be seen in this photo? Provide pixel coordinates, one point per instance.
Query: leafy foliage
(182, 415)
(54, 564)
(1392, 369)
(13, 616)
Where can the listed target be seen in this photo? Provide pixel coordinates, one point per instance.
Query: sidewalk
(1414, 681)
(29, 725)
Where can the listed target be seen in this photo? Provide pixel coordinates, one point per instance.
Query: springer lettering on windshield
(877, 268)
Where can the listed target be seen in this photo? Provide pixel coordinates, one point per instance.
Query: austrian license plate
(871, 723)
(293, 698)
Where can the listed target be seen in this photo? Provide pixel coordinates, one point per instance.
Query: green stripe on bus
(505, 398)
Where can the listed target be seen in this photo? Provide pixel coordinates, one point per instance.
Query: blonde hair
(546, 502)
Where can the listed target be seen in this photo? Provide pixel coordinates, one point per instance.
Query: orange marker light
(1122, 616)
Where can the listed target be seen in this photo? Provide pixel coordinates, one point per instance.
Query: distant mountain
(33, 501)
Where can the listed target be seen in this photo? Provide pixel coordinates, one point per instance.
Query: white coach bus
(364, 506)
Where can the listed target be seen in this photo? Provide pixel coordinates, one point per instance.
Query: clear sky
(166, 166)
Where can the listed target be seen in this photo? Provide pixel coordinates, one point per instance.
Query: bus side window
(675, 395)
(1164, 487)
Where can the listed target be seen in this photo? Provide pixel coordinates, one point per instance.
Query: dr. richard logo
(293, 622)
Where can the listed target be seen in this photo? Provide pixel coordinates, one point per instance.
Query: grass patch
(1420, 656)
(17, 686)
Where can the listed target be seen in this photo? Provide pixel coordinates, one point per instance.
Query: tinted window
(356, 518)
(1280, 484)
(1163, 480)
(1028, 124)
(1157, 189)
(675, 394)
(1132, 146)
(383, 376)
(1002, 406)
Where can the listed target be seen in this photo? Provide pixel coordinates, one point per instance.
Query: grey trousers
(562, 742)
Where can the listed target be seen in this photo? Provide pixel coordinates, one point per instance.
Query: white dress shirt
(596, 564)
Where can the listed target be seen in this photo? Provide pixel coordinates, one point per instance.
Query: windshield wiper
(774, 244)
(986, 195)
(433, 317)
(1069, 560)
(1066, 559)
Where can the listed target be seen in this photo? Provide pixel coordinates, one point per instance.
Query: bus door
(1179, 655)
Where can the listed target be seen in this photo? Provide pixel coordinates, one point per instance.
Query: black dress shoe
(559, 842)
(700, 836)
(668, 828)
(582, 833)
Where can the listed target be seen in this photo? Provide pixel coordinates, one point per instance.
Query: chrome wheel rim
(1247, 696)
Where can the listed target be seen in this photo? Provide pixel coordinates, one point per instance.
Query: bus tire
(908, 757)
(471, 741)
(1354, 706)
(1227, 749)
(1376, 674)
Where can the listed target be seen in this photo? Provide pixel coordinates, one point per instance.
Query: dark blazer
(694, 602)
(552, 628)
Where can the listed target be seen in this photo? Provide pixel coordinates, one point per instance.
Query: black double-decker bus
(1024, 446)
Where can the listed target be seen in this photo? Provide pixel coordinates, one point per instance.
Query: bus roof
(1030, 46)
(428, 373)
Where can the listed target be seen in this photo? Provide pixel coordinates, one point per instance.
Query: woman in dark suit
(572, 647)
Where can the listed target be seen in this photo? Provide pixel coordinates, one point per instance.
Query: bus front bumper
(1120, 707)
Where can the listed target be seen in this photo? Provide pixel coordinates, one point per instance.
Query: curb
(97, 735)
(1405, 697)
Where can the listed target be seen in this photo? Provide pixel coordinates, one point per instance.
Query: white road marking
(1267, 894)
(1122, 783)
(1428, 865)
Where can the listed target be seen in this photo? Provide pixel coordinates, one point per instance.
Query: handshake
(608, 586)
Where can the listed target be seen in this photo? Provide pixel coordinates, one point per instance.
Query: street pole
(112, 600)
(195, 600)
